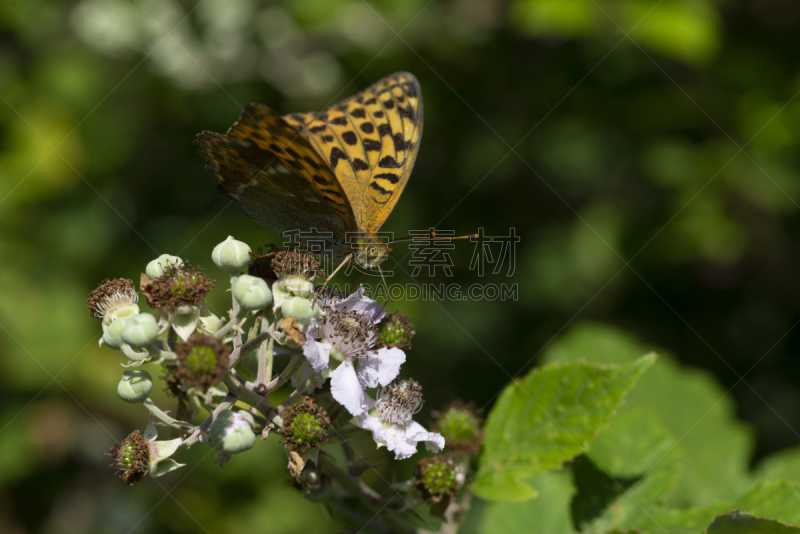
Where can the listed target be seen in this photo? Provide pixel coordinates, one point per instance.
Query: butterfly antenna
(344, 262)
(433, 237)
(385, 286)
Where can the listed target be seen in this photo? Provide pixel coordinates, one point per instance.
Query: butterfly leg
(344, 262)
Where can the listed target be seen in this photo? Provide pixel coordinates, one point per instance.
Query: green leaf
(775, 499)
(736, 522)
(550, 512)
(639, 462)
(547, 418)
(689, 403)
(782, 464)
(597, 491)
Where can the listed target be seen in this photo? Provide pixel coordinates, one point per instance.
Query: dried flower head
(304, 426)
(111, 294)
(131, 457)
(180, 285)
(460, 423)
(202, 361)
(435, 478)
(399, 401)
(397, 331)
(289, 263)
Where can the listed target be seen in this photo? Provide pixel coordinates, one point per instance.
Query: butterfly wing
(275, 175)
(370, 141)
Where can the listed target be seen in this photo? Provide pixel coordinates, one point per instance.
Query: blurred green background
(659, 133)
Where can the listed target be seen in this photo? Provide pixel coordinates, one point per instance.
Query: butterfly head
(371, 254)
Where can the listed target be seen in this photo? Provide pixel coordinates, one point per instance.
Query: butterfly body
(339, 172)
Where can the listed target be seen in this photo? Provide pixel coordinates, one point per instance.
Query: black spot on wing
(406, 111)
(367, 127)
(378, 188)
(336, 155)
(312, 162)
(378, 114)
(327, 138)
(360, 165)
(392, 177)
(388, 162)
(317, 129)
(371, 101)
(389, 104)
(350, 138)
(359, 113)
(384, 129)
(339, 121)
(399, 142)
(372, 145)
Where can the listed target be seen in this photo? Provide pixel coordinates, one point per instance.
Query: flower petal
(363, 304)
(346, 389)
(380, 368)
(313, 329)
(433, 441)
(318, 354)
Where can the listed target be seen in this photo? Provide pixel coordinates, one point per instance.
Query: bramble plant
(317, 366)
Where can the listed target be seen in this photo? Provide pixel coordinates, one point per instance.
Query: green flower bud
(157, 267)
(300, 309)
(436, 478)
(295, 286)
(251, 293)
(140, 330)
(460, 424)
(112, 334)
(231, 256)
(135, 385)
(232, 432)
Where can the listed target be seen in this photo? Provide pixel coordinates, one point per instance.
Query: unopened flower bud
(251, 293)
(300, 309)
(157, 267)
(460, 424)
(232, 432)
(231, 256)
(112, 335)
(140, 330)
(135, 385)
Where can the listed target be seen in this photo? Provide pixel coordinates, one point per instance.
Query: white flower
(389, 420)
(347, 335)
